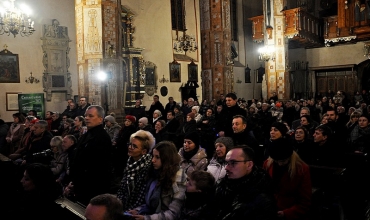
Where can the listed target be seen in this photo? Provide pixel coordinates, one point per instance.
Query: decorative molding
(55, 46)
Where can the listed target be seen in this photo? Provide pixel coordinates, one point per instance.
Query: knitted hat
(227, 141)
(280, 149)
(194, 137)
(196, 108)
(159, 113)
(34, 121)
(281, 127)
(191, 115)
(110, 118)
(144, 120)
(131, 118)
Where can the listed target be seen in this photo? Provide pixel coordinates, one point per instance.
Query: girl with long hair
(166, 186)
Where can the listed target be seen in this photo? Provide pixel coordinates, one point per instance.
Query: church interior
(182, 49)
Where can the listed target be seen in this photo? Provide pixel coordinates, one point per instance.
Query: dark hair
(44, 180)
(325, 130)
(71, 137)
(244, 119)
(332, 109)
(211, 110)
(34, 112)
(170, 164)
(231, 95)
(20, 117)
(248, 152)
(309, 120)
(113, 205)
(82, 119)
(172, 112)
(204, 181)
(304, 130)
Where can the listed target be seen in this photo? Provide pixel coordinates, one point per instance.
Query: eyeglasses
(232, 163)
(131, 145)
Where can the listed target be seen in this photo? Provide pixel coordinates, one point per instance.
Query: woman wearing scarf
(290, 176)
(217, 164)
(166, 187)
(15, 133)
(360, 136)
(132, 190)
(193, 157)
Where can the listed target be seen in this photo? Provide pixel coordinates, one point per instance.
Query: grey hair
(99, 110)
(57, 141)
(42, 123)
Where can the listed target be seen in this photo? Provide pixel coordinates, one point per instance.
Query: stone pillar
(217, 74)
(277, 75)
(98, 37)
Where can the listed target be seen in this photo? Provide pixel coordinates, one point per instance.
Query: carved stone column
(277, 75)
(217, 75)
(98, 37)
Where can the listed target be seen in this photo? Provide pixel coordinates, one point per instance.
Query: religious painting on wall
(175, 72)
(9, 67)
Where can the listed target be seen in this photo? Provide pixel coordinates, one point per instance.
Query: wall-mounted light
(266, 53)
(163, 80)
(32, 79)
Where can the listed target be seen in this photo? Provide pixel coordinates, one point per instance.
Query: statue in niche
(53, 29)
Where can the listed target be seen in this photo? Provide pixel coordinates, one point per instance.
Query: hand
(221, 134)
(68, 190)
(133, 212)
(8, 139)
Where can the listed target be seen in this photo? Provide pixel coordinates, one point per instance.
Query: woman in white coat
(217, 164)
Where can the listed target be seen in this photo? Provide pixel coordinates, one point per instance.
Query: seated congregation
(224, 164)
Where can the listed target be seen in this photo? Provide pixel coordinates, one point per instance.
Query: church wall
(153, 32)
(337, 55)
(30, 53)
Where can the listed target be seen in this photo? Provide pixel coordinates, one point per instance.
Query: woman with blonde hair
(59, 160)
(133, 185)
(291, 179)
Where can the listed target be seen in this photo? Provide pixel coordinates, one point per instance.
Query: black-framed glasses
(232, 163)
(131, 145)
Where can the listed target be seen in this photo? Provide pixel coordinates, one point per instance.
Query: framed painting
(175, 72)
(9, 67)
(192, 72)
(12, 101)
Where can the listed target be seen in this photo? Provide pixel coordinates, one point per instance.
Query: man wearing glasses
(246, 192)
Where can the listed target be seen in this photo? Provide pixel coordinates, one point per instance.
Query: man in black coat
(156, 105)
(91, 169)
(82, 106)
(246, 192)
(224, 122)
(244, 136)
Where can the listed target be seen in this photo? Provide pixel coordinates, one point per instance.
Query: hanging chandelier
(185, 43)
(15, 21)
(266, 53)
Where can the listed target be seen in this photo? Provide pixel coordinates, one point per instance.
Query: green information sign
(32, 101)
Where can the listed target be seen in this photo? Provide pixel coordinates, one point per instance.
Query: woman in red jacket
(291, 178)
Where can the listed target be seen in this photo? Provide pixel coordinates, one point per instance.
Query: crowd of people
(225, 159)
